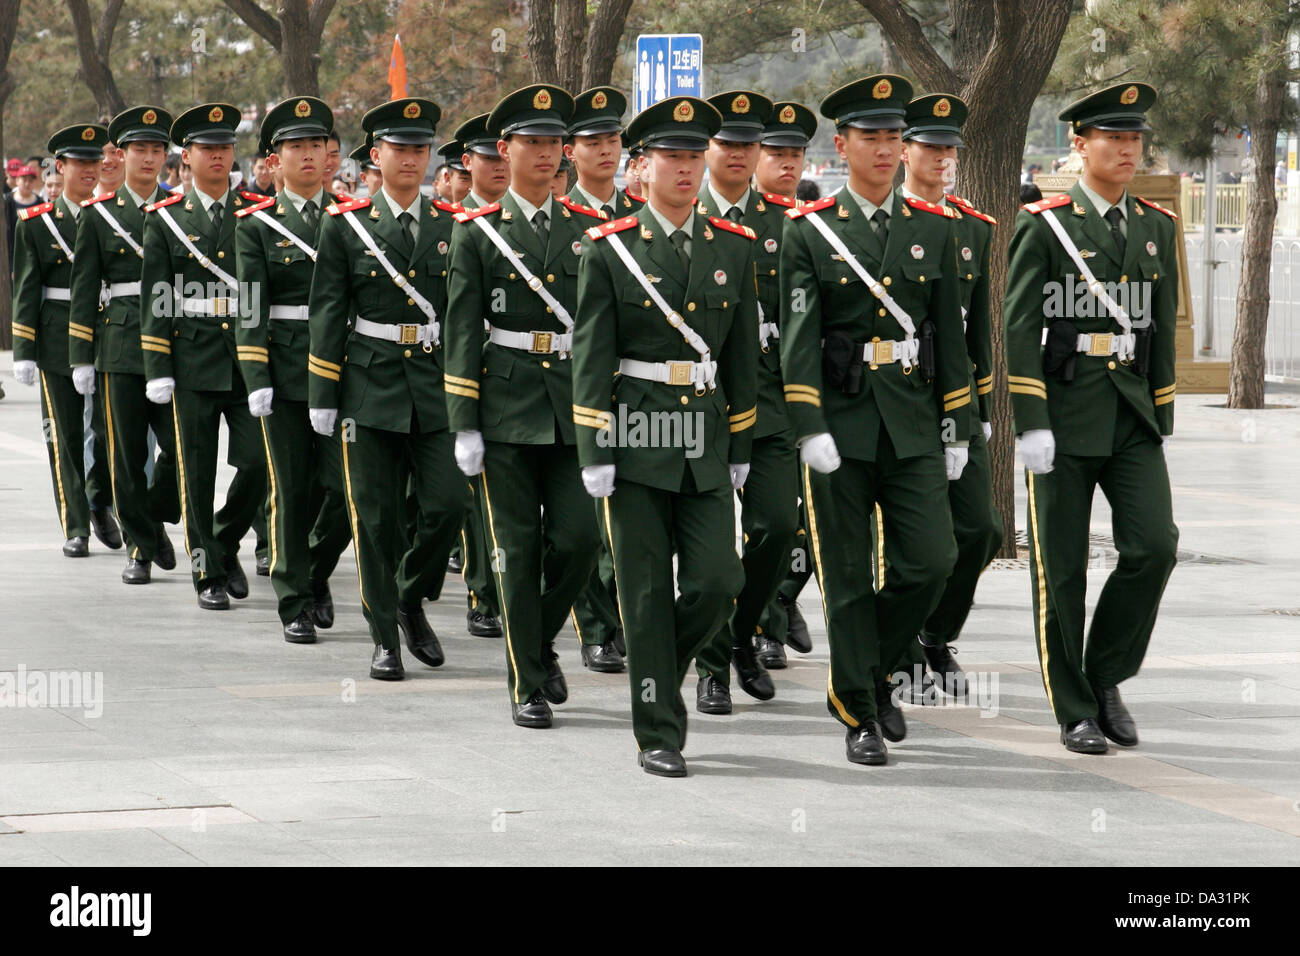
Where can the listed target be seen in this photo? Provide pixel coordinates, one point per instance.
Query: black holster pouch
(925, 356)
(1061, 350)
(842, 363)
(1142, 351)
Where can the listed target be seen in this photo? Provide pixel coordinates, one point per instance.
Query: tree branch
(259, 21)
(320, 12)
(906, 34)
(107, 24)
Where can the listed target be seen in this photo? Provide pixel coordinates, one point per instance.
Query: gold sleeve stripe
(741, 426)
(1023, 380)
(1027, 390)
(457, 390)
(87, 336)
(457, 380)
(964, 390)
(589, 422)
(984, 389)
(589, 412)
(252, 349)
(1166, 390)
(24, 334)
(254, 357)
(984, 381)
(152, 347)
(800, 397)
(806, 389)
(1164, 399)
(325, 364)
(81, 328)
(154, 338)
(323, 373)
(18, 326)
(747, 413)
(956, 403)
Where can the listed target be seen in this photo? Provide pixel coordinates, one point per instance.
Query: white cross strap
(287, 233)
(1096, 288)
(204, 261)
(534, 282)
(399, 280)
(58, 236)
(117, 228)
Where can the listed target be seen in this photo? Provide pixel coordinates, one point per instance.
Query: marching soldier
(276, 244)
(632, 185)
(454, 177)
(931, 141)
(876, 372)
(378, 301)
(371, 174)
(1092, 385)
(769, 500)
(667, 301)
(188, 313)
(43, 264)
(489, 173)
(510, 400)
(109, 258)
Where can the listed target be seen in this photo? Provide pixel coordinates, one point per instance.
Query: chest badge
(917, 252)
(577, 248)
(1151, 248)
(770, 245)
(719, 277)
(966, 253)
(442, 247)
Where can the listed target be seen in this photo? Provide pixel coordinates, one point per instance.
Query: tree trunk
(602, 43)
(8, 29)
(1246, 375)
(93, 52)
(541, 41)
(302, 24)
(570, 43)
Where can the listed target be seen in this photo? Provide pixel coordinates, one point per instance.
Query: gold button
(920, 278)
(512, 275)
(886, 280)
(406, 352)
(176, 333)
(411, 273)
(286, 258)
(221, 255)
(1123, 278)
(484, 369)
(1155, 275)
(844, 280)
(225, 326)
(969, 276)
(685, 399)
(546, 365)
(550, 277)
(880, 312)
(1111, 366)
(690, 306)
(724, 303)
(771, 272)
(372, 272)
(646, 303)
(410, 302)
(444, 271)
(191, 255)
(548, 310)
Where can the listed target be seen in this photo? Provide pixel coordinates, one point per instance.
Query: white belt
(297, 313)
(58, 294)
(223, 305)
(1103, 343)
(117, 290)
(890, 351)
(537, 342)
(401, 334)
(699, 374)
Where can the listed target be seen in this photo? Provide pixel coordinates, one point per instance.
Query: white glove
(83, 379)
(159, 390)
(738, 475)
(25, 372)
(819, 453)
(598, 480)
(1164, 445)
(259, 402)
(469, 452)
(322, 420)
(988, 431)
(1038, 450)
(954, 460)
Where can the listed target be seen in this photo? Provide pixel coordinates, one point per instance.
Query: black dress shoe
(771, 654)
(1084, 737)
(754, 678)
(386, 664)
(662, 763)
(534, 712)
(104, 525)
(796, 633)
(264, 565)
(863, 744)
(165, 554)
(892, 724)
(1113, 717)
(619, 644)
(212, 597)
(236, 582)
(602, 658)
(420, 639)
(482, 625)
(300, 630)
(453, 564)
(711, 697)
(76, 547)
(554, 688)
(322, 612)
(136, 571)
(939, 658)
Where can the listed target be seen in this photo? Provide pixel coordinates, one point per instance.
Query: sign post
(667, 64)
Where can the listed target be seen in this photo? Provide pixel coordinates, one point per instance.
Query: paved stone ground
(220, 744)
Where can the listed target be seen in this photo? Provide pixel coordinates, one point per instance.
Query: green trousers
(1135, 482)
(476, 557)
(544, 542)
(663, 629)
(595, 609)
(211, 538)
(868, 630)
(308, 518)
(769, 515)
(774, 622)
(76, 491)
(376, 465)
(142, 505)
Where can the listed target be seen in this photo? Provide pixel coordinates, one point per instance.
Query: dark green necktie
(539, 224)
(678, 239)
(215, 211)
(1113, 216)
(408, 221)
(608, 210)
(734, 214)
(309, 213)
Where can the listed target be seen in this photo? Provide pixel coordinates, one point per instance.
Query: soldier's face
(303, 161)
(373, 179)
(930, 166)
(333, 159)
(402, 165)
(596, 156)
(79, 177)
(210, 165)
(144, 160)
(460, 183)
(730, 164)
(872, 154)
(489, 175)
(1110, 156)
(779, 168)
(673, 176)
(110, 167)
(559, 183)
(533, 160)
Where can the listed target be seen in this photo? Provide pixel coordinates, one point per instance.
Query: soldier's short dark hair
(807, 190)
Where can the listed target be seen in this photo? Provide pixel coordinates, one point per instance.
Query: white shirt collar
(593, 202)
(136, 198)
(868, 207)
(1101, 205)
(667, 226)
(722, 205)
(528, 209)
(413, 208)
(207, 200)
(300, 201)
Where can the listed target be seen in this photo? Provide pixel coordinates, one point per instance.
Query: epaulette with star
(780, 200)
(32, 211)
(261, 204)
(335, 209)
(611, 227)
(1147, 202)
(735, 227)
(445, 206)
(255, 197)
(970, 210)
(937, 208)
(342, 197)
(1060, 199)
(175, 197)
(820, 204)
(94, 199)
(465, 215)
(568, 203)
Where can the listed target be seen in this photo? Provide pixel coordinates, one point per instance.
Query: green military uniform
(43, 264)
(867, 387)
(275, 244)
(977, 526)
(375, 364)
(1107, 411)
(109, 258)
(516, 393)
(188, 314)
(695, 364)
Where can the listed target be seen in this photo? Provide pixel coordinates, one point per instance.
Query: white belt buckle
(679, 373)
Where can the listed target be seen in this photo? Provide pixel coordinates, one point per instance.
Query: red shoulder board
(780, 200)
(32, 211)
(735, 227)
(568, 203)
(174, 197)
(446, 206)
(970, 210)
(335, 208)
(937, 208)
(94, 199)
(611, 227)
(633, 196)
(262, 203)
(1147, 202)
(342, 197)
(254, 197)
(465, 215)
(824, 203)
(1060, 199)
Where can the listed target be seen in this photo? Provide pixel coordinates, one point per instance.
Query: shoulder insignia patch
(785, 201)
(824, 203)
(254, 197)
(465, 215)
(94, 199)
(611, 227)
(261, 204)
(446, 206)
(568, 203)
(634, 197)
(335, 208)
(1060, 199)
(33, 211)
(1147, 202)
(970, 210)
(342, 197)
(175, 197)
(735, 227)
(936, 208)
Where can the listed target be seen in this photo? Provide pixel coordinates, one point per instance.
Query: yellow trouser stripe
(501, 585)
(880, 548)
(821, 580)
(180, 469)
(356, 527)
(270, 471)
(112, 451)
(1041, 580)
(58, 467)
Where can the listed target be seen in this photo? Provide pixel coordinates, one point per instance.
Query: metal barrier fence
(1229, 208)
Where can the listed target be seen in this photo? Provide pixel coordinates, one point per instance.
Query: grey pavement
(220, 744)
